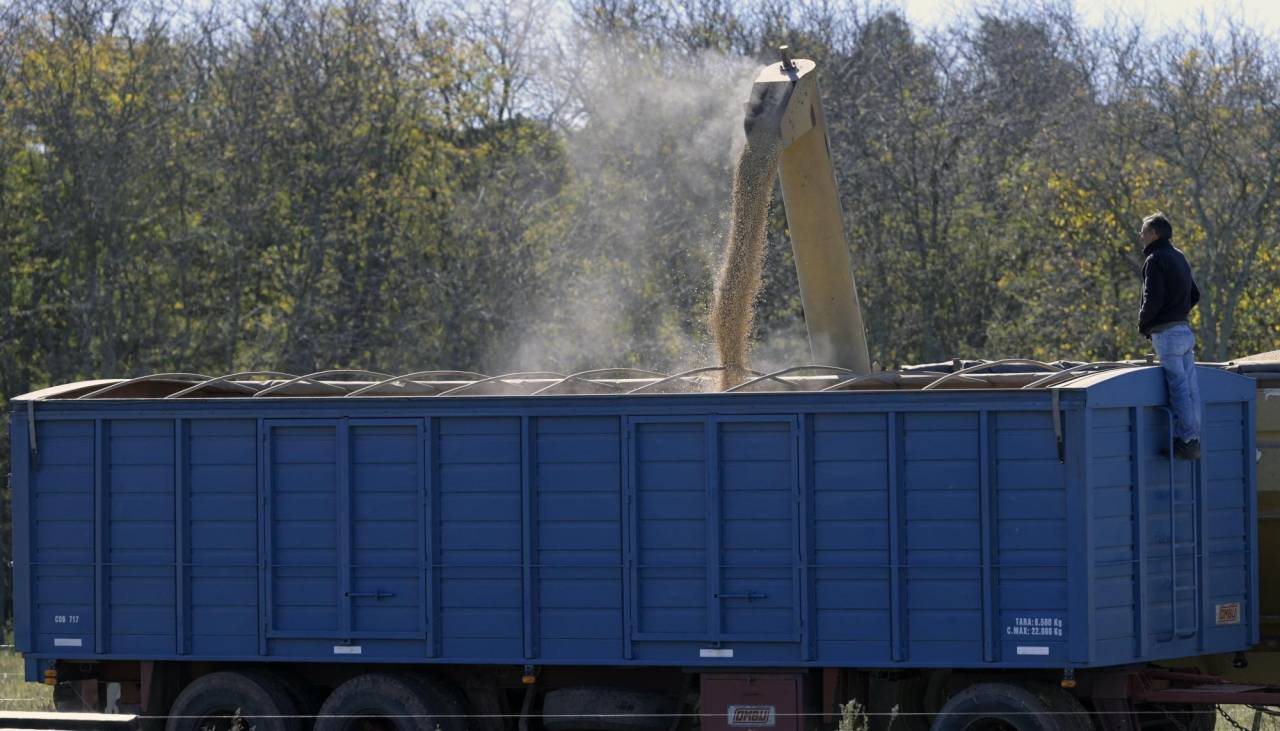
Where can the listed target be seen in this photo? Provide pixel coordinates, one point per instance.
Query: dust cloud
(651, 149)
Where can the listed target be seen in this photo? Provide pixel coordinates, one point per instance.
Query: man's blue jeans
(1176, 348)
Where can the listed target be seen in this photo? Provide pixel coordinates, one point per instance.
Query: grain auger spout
(785, 97)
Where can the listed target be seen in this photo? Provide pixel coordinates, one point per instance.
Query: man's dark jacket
(1168, 290)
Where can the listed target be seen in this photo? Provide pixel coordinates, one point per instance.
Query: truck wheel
(1071, 713)
(384, 702)
(306, 699)
(999, 707)
(448, 699)
(212, 702)
(606, 709)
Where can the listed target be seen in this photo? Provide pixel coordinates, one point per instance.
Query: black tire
(606, 709)
(210, 701)
(451, 702)
(306, 699)
(999, 707)
(383, 702)
(1069, 711)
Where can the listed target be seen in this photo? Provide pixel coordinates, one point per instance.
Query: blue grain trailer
(588, 553)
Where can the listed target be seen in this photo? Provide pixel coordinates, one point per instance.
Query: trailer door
(386, 556)
(759, 545)
(345, 540)
(714, 540)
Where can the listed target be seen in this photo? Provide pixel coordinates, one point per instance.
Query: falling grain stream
(738, 282)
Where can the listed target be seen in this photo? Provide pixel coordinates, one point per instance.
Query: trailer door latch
(748, 595)
(379, 594)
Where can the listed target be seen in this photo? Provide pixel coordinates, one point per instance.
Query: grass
(854, 718)
(16, 695)
(1243, 715)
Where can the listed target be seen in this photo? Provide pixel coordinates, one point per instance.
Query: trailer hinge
(1057, 427)
(31, 426)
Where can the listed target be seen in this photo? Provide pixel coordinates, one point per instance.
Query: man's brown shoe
(1186, 450)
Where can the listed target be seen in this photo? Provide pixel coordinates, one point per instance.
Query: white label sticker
(67, 642)
(1032, 650)
(1228, 613)
(347, 649)
(714, 652)
(753, 716)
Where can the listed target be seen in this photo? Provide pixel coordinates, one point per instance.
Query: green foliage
(311, 184)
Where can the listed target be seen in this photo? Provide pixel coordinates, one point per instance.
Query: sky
(1160, 14)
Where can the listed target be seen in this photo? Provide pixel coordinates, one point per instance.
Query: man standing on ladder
(1168, 294)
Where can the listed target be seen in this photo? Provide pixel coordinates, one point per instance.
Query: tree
(1213, 119)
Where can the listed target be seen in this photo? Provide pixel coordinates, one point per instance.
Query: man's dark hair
(1158, 223)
